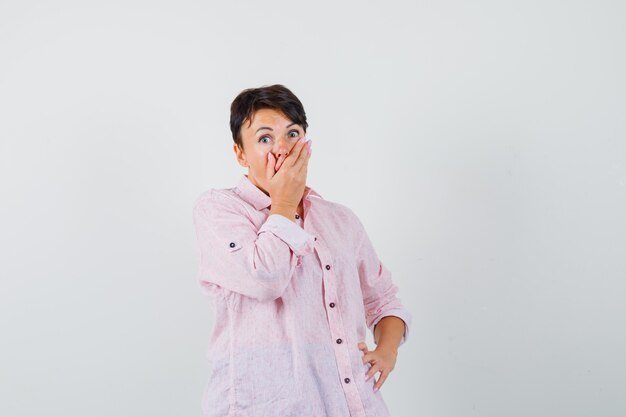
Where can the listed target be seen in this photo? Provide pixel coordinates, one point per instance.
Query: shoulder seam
(220, 194)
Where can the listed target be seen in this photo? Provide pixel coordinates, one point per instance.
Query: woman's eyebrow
(269, 128)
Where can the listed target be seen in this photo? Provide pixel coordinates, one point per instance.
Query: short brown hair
(275, 96)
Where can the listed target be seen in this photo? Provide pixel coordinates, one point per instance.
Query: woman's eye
(295, 134)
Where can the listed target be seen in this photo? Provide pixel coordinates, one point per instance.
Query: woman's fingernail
(375, 389)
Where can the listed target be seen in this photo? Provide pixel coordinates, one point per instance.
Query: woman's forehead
(264, 117)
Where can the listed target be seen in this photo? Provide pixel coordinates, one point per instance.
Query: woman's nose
(282, 148)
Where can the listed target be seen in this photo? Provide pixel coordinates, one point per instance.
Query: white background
(481, 143)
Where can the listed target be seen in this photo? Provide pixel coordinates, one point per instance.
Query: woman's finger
(280, 161)
(299, 153)
(381, 379)
(303, 159)
(371, 361)
(371, 372)
(294, 152)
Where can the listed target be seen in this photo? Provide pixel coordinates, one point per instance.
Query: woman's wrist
(287, 211)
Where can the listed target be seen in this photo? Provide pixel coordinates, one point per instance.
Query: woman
(294, 280)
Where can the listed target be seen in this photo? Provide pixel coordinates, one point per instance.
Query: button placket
(342, 353)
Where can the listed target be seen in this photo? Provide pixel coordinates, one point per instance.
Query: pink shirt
(291, 301)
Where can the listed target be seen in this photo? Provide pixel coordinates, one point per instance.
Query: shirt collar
(259, 200)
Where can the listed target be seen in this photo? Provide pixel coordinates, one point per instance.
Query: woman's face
(269, 131)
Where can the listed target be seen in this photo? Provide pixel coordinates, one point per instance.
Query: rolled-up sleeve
(238, 256)
(379, 292)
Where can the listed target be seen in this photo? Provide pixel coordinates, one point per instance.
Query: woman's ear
(240, 155)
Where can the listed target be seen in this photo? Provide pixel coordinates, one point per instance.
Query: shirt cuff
(300, 241)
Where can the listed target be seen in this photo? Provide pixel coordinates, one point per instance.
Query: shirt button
(332, 305)
(315, 238)
(347, 380)
(232, 244)
(327, 266)
(339, 340)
